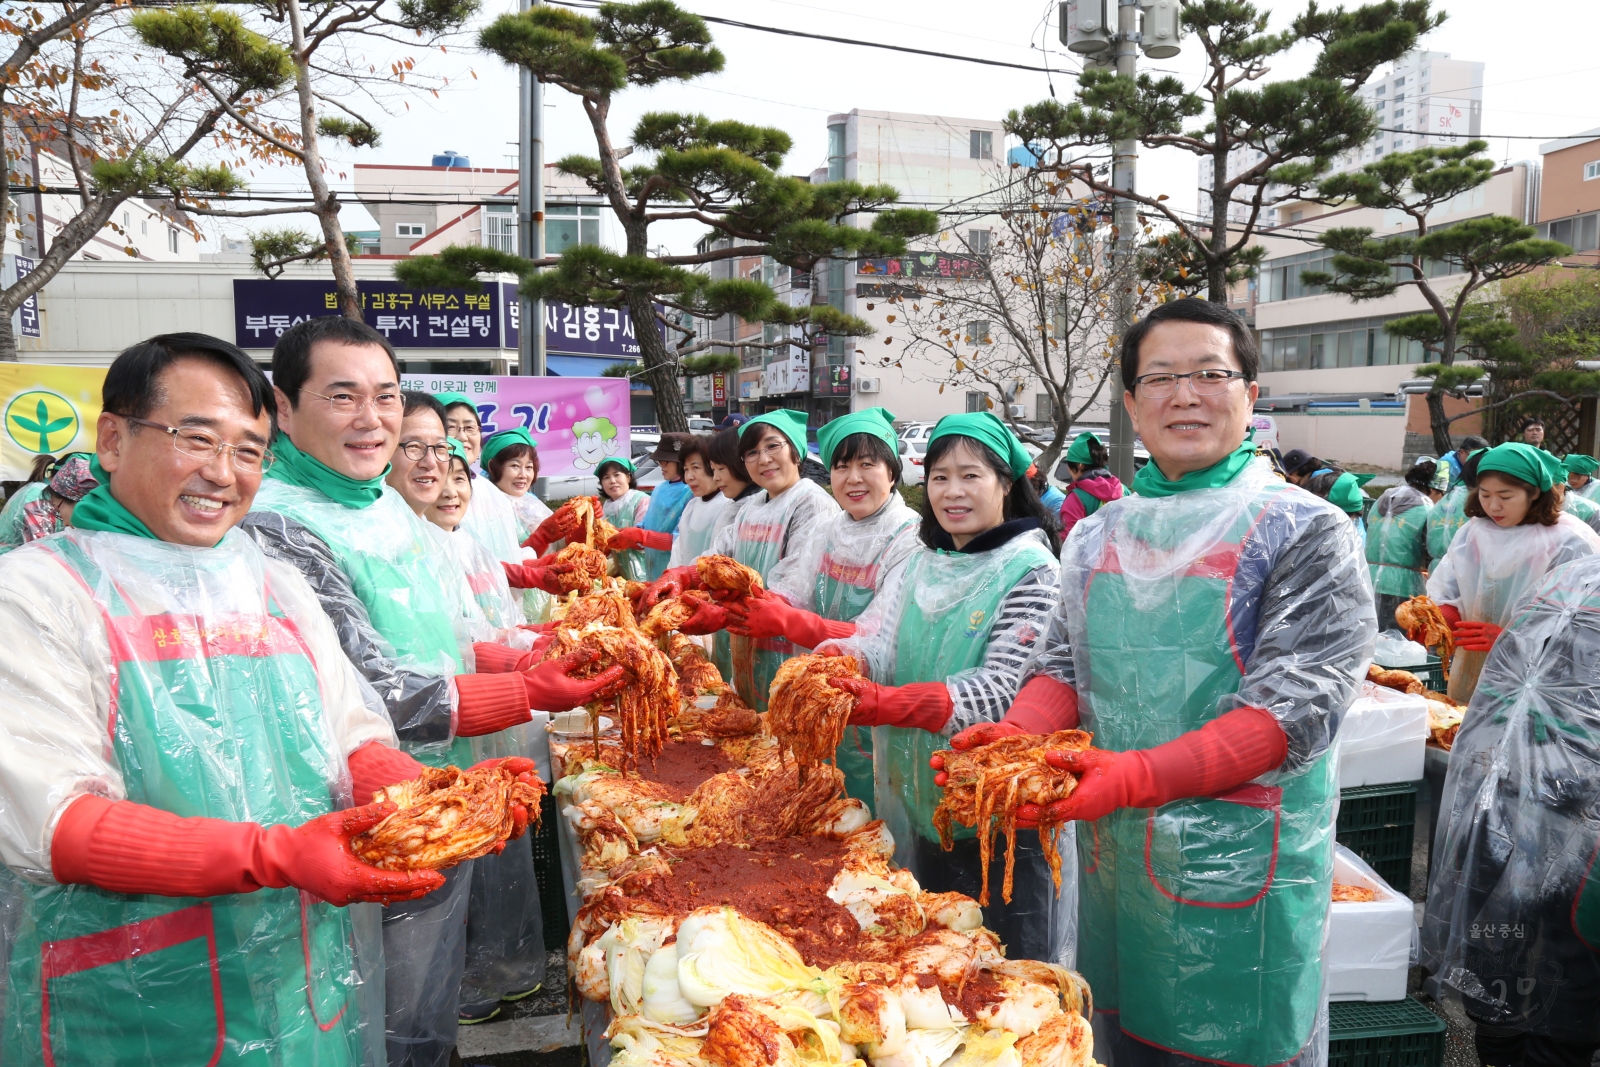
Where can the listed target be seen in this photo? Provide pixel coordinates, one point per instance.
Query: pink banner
(578, 422)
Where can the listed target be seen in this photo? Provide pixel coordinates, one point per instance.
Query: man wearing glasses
(179, 727)
(1210, 634)
(326, 509)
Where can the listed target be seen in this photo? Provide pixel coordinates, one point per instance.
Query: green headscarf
(1078, 452)
(1578, 463)
(787, 421)
(99, 510)
(1346, 495)
(984, 427)
(459, 451)
(449, 400)
(503, 440)
(1149, 481)
(1533, 465)
(302, 469)
(622, 461)
(879, 422)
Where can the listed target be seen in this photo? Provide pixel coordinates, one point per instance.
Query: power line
(1488, 136)
(846, 40)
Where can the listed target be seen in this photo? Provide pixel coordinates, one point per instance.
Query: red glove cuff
(499, 659)
(537, 543)
(659, 540)
(1044, 706)
(126, 847)
(1451, 615)
(375, 765)
(808, 629)
(1222, 755)
(920, 705)
(491, 703)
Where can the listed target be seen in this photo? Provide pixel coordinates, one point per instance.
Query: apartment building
(1569, 197)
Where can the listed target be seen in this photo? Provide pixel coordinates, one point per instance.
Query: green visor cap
(787, 421)
(622, 461)
(1345, 494)
(983, 426)
(459, 451)
(450, 400)
(504, 440)
(1533, 465)
(879, 422)
(1078, 452)
(1577, 463)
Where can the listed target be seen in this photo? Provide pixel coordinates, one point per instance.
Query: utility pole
(1085, 28)
(530, 211)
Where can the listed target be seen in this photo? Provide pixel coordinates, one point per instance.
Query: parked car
(1061, 478)
(700, 424)
(912, 453)
(916, 431)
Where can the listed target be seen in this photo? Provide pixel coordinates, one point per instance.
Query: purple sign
(409, 318)
(574, 330)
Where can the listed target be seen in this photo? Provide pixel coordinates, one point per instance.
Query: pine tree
(722, 174)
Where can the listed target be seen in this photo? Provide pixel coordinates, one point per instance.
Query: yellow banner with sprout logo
(48, 411)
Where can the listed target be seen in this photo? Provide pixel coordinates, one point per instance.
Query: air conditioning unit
(868, 385)
(1016, 411)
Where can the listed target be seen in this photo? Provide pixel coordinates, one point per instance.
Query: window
(981, 144)
(1591, 171)
(172, 239)
(1398, 97)
(409, 229)
(500, 228)
(566, 225)
(144, 226)
(836, 153)
(1041, 407)
(978, 331)
(978, 241)
(126, 220)
(1381, 89)
(977, 402)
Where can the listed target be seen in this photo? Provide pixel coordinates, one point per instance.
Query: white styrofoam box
(1382, 738)
(1369, 945)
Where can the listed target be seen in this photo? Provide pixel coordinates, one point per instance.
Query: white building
(1426, 99)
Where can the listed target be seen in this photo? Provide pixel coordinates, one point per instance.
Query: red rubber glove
(768, 616)
(920, 705)
(550, 687)
(638, 537)
(499, 659)
(539, 575)
(1451, 615)
(671, 583)
(126, 847)
(375, 765)
(708, 618)
(557, 526)
(1042, 707)
(1476, 636)
(1222, 755)
(525, 770)
(489, 703)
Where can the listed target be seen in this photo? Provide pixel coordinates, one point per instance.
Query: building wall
(1372, 439)
(1564, 191)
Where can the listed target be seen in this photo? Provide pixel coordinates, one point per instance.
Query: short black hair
(607, 467)
(417, 400)
(1533, 421)
(751, 433)
(1022, 500)
(291, 356)
(869, 446)
(1420, 476)
(724, 451)
(1191, 309)
(133, 382)
(1472, 442)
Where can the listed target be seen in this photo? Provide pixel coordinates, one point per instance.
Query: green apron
(386, 552)
(12, 529)
(214, 713)
(1202, 910)
(1444, 519)
(843, 589)
(947, 608)
(1397, 551)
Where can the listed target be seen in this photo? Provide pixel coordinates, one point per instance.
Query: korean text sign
(409, 318)
(579, 423)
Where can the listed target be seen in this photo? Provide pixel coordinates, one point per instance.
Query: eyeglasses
(771, 450)
(415, 450)
(249, 459)
(1208, 382)
(351, 403)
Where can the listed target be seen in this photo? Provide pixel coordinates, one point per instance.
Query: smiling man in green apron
(326, 510)
(1212, 630)
(179, 728)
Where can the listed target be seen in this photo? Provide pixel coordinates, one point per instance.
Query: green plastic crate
(1430, 674)
(1378, 823)
(547, 868)
(1399, 1033)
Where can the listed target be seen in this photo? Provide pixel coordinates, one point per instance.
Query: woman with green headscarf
(770, 533)
(1092, 484)
(944, 644)
(844, 565)
(491, 520)
(1515, 534)
(1580, 476)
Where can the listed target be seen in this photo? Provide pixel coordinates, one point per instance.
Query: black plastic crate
(1430, 674)
(1378, 823)
(547, 866)
(1399, 1033)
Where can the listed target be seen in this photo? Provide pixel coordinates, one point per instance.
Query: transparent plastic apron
(947, 612)
(1397, 552)
(622, 513)
(530, 512)
(214, 713)
(1201, 921)
(386, 552)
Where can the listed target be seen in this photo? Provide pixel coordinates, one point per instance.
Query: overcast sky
(1541, 90)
